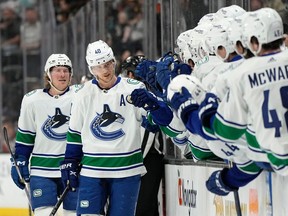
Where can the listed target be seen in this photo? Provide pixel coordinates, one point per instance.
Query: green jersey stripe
(25, 138)
(113, 161)
(251, 140)
(73, 137)
(202, 155)
(250, 168)
(227, 132)
(46, 161)
(276, 161)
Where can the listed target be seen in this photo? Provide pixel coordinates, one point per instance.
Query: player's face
(60, 77)
(221, 51)
(240, 48)
(105, 74)
(286, 39)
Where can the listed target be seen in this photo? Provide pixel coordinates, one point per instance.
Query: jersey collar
(46, 90)
(94, 81)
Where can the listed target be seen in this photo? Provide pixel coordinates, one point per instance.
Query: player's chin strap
(54, 87)
(245, 52)
(58, 90)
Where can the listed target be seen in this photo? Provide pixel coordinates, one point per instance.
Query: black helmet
(130, 64)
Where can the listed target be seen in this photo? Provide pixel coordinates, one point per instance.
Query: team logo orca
(54, 122)
(105, 119)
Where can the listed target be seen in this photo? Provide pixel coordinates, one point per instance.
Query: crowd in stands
(125, 28)
(66, 8)
(20, 32)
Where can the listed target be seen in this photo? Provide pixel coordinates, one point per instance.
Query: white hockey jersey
(43, 125)
(258, 93)
(209, 80)
(107, 128)
(204, 66)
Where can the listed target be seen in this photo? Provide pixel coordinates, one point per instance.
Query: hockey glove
(70, 169)
(216, 185)
(152, 81)
(208, 109)
(143, 68)
(180, 98)
(163, 74)
(180, 68)
(183, 103)
(23, 164)
(143, 98)
(150, 127)
(168, 57)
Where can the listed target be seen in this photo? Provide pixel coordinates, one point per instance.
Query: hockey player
(265, 45)
(103, 136)
(248, 101)
(199, 148)
(236, 152)
(41, 137)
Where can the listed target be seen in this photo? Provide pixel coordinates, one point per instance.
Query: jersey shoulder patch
(77, 87)
(31, 92)
(133, 81)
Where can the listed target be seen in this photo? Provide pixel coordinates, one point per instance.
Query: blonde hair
(46, 80)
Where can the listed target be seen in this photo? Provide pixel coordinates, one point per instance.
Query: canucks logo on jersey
(53, 122)
(105, 119)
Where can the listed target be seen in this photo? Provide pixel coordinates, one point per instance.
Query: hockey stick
(236, 197)
(60, 200)
(237, 203)
(16, 166)
(270, 199)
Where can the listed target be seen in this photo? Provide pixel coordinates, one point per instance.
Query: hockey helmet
(130, 64)
(235, 30)
(265, 25)
(201, 32)
(183, 46)
(207, 18)
(58, 60)
(98, 53)
(230, 11)
(218, 37)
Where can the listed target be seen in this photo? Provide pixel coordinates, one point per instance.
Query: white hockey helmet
(183, 46)
(235, 31)
(196, 44)
(230, 11)
(207, 18)
(191, 83)
(265, 24)
(203, 29)
(218, 37)
(57, 60)
(98, 53)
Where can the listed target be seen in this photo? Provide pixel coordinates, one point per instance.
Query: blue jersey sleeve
(235, 178)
